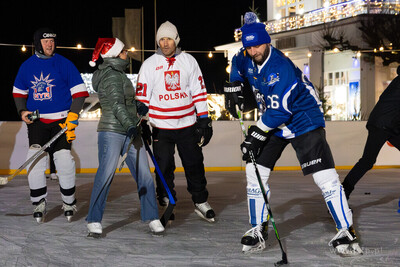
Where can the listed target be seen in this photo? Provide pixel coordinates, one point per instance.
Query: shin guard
(65, 166)
(333, 193)
(258, 212)
(36, 174)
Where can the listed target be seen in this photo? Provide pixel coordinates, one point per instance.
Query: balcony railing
(329, 14)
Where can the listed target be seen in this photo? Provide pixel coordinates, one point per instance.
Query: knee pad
(256, 204)
(335, 199)
(65, 166)
(36, 174)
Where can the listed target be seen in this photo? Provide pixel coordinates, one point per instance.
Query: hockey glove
(204, 130)
(255, 140)
(71, 122)
(132, 132)
(70, 136)
(146, 132)
(142, 109)
(234, 97)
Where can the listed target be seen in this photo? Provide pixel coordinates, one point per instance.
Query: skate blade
(351, 250)
(94, 235)
(39, 219)
(253, 249)
(211, 220)
(69, 218)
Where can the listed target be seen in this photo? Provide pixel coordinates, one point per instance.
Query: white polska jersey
(173, 89)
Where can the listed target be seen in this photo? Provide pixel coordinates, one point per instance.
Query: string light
(132, 49)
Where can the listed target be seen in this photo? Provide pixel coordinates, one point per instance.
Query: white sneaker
(156, 227)
(53, 176)
(69, 211)
(205, 211)
(95, 229)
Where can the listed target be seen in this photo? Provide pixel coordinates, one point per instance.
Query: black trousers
(375, 140)
(191, 155)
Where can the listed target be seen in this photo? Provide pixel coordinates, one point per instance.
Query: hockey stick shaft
(168, 211)
(253, 161)
(5, 180)
(129, 147)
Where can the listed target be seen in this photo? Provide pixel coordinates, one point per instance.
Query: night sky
(201, 26)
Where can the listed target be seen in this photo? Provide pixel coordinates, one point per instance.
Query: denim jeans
(111, 146)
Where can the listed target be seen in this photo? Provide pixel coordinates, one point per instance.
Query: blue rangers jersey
(49, 85)
(285, 97)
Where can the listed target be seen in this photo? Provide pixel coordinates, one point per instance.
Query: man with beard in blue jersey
(291, 113)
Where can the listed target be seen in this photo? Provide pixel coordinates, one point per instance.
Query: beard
(260, 58)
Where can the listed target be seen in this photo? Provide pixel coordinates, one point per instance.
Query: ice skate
(156, 227)
(40, 211)
(254, 239)
(53, 176)
(205, 211)
(345, 243)
(95, 229)
(69, 211)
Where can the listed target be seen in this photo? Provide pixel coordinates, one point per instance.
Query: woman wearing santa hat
(118, 125)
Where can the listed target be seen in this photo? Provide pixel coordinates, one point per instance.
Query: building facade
(348, 49)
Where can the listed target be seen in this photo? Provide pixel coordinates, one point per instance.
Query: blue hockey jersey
(285, 97)
(49, 85)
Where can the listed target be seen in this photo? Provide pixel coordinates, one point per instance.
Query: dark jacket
(386, 113)
(117, 96)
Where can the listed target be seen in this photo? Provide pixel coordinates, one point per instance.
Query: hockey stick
(171, 204)
(253, 160)
(5, 180)
(129, 147)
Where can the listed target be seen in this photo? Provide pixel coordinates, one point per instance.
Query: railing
(329, 14)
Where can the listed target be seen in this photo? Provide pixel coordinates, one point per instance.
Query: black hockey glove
(146, 132)
(255, 140)
(234, 97)
(132, 132)
(204, 131)
(142, 109)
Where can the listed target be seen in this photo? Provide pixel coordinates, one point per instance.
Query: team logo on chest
(42, 87)
(172, 80)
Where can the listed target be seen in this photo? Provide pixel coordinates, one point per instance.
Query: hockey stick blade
(253, 161)
(171, 204)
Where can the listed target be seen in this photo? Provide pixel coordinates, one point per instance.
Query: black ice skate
(205, 211)
(254, 239)
(345, 243)
(40, 211)
(69, 211)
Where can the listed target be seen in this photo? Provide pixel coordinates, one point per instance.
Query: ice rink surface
(304, 225)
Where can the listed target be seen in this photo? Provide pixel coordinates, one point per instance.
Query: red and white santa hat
(106, 48)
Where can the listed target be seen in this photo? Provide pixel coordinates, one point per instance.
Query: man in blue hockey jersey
(291, 113)
(51, 84)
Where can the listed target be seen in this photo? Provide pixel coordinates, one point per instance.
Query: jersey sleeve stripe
(19, 95)
(78, 89)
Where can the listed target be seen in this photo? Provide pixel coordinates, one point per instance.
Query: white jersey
(173, 89)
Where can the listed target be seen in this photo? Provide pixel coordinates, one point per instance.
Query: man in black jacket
(383, 125)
